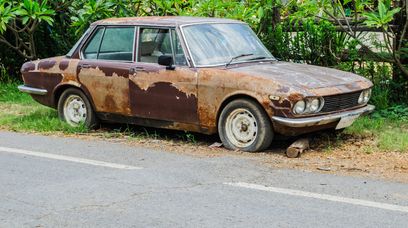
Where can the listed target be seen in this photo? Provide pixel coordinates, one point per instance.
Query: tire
(244, 125)
(75, 109)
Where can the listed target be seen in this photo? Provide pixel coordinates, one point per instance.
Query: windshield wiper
(237, 57)
(256, 58)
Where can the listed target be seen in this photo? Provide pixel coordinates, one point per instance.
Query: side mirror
(166, 60)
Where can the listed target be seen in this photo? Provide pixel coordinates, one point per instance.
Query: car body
(182, 72)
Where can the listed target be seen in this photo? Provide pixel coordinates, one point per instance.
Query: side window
(156, 42)
(91, 50)
(180, 59)
(153, 43)
(111, 44)
(117, 44)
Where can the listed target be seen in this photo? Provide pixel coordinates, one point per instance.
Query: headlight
(367, 95)
(364, 96)
(314, 104)
(299, 107)
(308, 105)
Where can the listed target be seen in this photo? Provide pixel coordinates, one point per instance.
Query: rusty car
(207, 75)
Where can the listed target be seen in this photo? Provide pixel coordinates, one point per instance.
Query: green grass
(20, 113)
(389, 134)
(10, 94)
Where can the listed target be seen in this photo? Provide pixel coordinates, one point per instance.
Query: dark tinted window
(117, 44)
(111, 44)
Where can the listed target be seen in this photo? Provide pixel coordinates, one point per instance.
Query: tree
(21, 20)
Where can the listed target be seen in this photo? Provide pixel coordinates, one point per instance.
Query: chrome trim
(321, 120)
(32, 90)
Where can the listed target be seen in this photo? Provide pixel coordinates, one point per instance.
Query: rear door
(104, 67)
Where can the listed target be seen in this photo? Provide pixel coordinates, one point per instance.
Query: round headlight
(361, 98)
(299, 107)
(314, 105)
(366, 95)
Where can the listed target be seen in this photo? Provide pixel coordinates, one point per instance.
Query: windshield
(221, 44)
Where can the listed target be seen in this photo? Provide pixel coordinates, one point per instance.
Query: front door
(159, 93)
(103, 70)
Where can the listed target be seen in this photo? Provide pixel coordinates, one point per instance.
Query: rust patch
(183, 79)
(109, 94)
(295, 97)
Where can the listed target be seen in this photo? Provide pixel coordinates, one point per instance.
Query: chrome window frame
(217, 65)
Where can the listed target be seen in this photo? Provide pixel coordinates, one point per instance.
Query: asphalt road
(61, 182)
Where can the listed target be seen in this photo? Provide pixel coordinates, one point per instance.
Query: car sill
(31, 90)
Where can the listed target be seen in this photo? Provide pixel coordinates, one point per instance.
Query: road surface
(47, 181)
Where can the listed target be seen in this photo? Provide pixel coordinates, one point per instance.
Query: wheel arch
(62, 87)
(242, 95)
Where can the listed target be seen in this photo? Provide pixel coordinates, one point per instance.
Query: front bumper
(321, 120)
(32, 90)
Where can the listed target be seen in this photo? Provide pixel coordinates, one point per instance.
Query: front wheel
(244, 125)
(75, 109)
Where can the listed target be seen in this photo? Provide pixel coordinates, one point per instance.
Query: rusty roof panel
(162, 20)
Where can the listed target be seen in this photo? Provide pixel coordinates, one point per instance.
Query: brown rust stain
(183, 79)
(216, 85)
(295, 97)
(102, 88)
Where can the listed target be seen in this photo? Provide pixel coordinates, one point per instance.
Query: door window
(114, 43)
(155, 42)
(91, 50)
(180, 59)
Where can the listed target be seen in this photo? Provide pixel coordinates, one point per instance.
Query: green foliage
(32, 10)
(396, 112)
(315, 42)
(382, 17)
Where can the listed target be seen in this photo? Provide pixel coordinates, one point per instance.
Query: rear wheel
(244, 125)
(75, 109)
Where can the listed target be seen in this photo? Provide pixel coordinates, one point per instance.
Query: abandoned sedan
(205, 75)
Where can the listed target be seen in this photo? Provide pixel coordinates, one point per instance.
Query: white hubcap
(74, 110)
(241, 128)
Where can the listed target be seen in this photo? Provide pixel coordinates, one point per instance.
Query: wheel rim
(75, 110)
(241, 128)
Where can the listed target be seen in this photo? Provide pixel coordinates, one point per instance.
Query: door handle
(134, 70)
(84, 66)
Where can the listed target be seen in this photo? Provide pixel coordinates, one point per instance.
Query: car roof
(172, 21)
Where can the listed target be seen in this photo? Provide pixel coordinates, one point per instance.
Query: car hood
(314, 79)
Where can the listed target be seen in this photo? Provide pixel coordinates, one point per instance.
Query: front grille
(340, 102)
